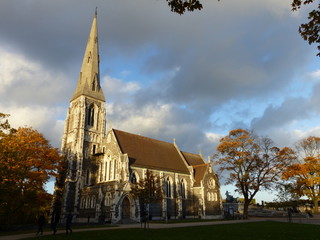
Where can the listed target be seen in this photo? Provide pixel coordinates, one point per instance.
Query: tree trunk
(315, 203)
(246, 208)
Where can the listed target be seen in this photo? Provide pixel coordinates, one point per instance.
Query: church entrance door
(126, 208)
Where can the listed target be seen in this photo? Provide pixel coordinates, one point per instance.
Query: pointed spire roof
(89, 78)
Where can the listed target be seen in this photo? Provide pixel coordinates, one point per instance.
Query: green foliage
(148, 190)
(181, 6)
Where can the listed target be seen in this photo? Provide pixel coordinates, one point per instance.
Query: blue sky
(236, 63)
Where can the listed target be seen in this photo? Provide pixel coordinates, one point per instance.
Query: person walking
(68, 223)
(40, 222)
(54, 222)
(289, 214)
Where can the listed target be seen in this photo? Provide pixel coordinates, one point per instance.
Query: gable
(150, 153)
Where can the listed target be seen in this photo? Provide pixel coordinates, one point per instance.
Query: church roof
(199, 172)
(193, 159)
(198, 164)
(150, 153)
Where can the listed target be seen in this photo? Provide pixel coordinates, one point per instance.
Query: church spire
(89, 78)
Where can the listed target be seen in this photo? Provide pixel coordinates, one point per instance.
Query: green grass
(240, 231)
(185, 220)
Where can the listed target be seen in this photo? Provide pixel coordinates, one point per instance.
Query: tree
(305, 175)
(180, 6)
(254, 163)
(27, 161)
(147, 190)
(309, 31)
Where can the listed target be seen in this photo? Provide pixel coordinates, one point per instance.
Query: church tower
(84, 125)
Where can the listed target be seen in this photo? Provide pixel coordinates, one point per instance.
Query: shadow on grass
(240, 231)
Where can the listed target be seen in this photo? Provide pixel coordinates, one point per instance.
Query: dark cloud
(197, 63)
(291, 110)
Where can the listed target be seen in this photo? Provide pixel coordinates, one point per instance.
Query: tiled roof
(193, 159)
(199, 172)
(150, 153)
(198, 164)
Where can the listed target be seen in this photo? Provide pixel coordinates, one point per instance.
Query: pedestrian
(289, 214)
(68, 223)
(54, 222)
(40, 222)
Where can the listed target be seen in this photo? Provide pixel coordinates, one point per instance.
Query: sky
(234, 64)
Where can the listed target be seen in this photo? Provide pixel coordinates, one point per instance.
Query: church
(104, 163)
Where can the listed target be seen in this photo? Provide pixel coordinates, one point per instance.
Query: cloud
(192, 77)
(26, 82)
(43, 119)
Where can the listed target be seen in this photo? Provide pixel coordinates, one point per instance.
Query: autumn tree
(305, 175)
(253, 163)
(147, 190)
(27, 161)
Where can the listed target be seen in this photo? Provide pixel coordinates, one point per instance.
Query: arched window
(168, 188)
(133, 178)
(93, 202)
(183, 188)
(83, 202)
(107, 201)
(88, 202)
(91, 115)
(212, 183)
(87, 182)
(93, 85)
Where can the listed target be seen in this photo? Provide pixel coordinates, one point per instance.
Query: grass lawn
(240, 231)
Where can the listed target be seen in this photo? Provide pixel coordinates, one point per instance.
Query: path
(315, 220)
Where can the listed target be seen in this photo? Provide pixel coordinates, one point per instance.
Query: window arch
(87, 179)
(83, 202)
(88, 202)
(90, 120)
(211, 183)
(133, 177)
(183, 188)
(93, 87)
(168, 188)
(93, 202)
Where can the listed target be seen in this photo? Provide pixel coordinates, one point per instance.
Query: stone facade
(103, 164)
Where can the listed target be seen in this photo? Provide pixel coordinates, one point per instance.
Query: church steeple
(89, 78)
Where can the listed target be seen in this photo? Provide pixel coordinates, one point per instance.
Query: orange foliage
(253, 162)
(26, 159)
(306, 174)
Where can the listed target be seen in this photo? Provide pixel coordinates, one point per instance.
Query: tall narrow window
(94, 149)
(133, 178)
(168, 188)
(105, 171)
(93, 85)
(91, 115)
(183, 189)
(87, 177)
